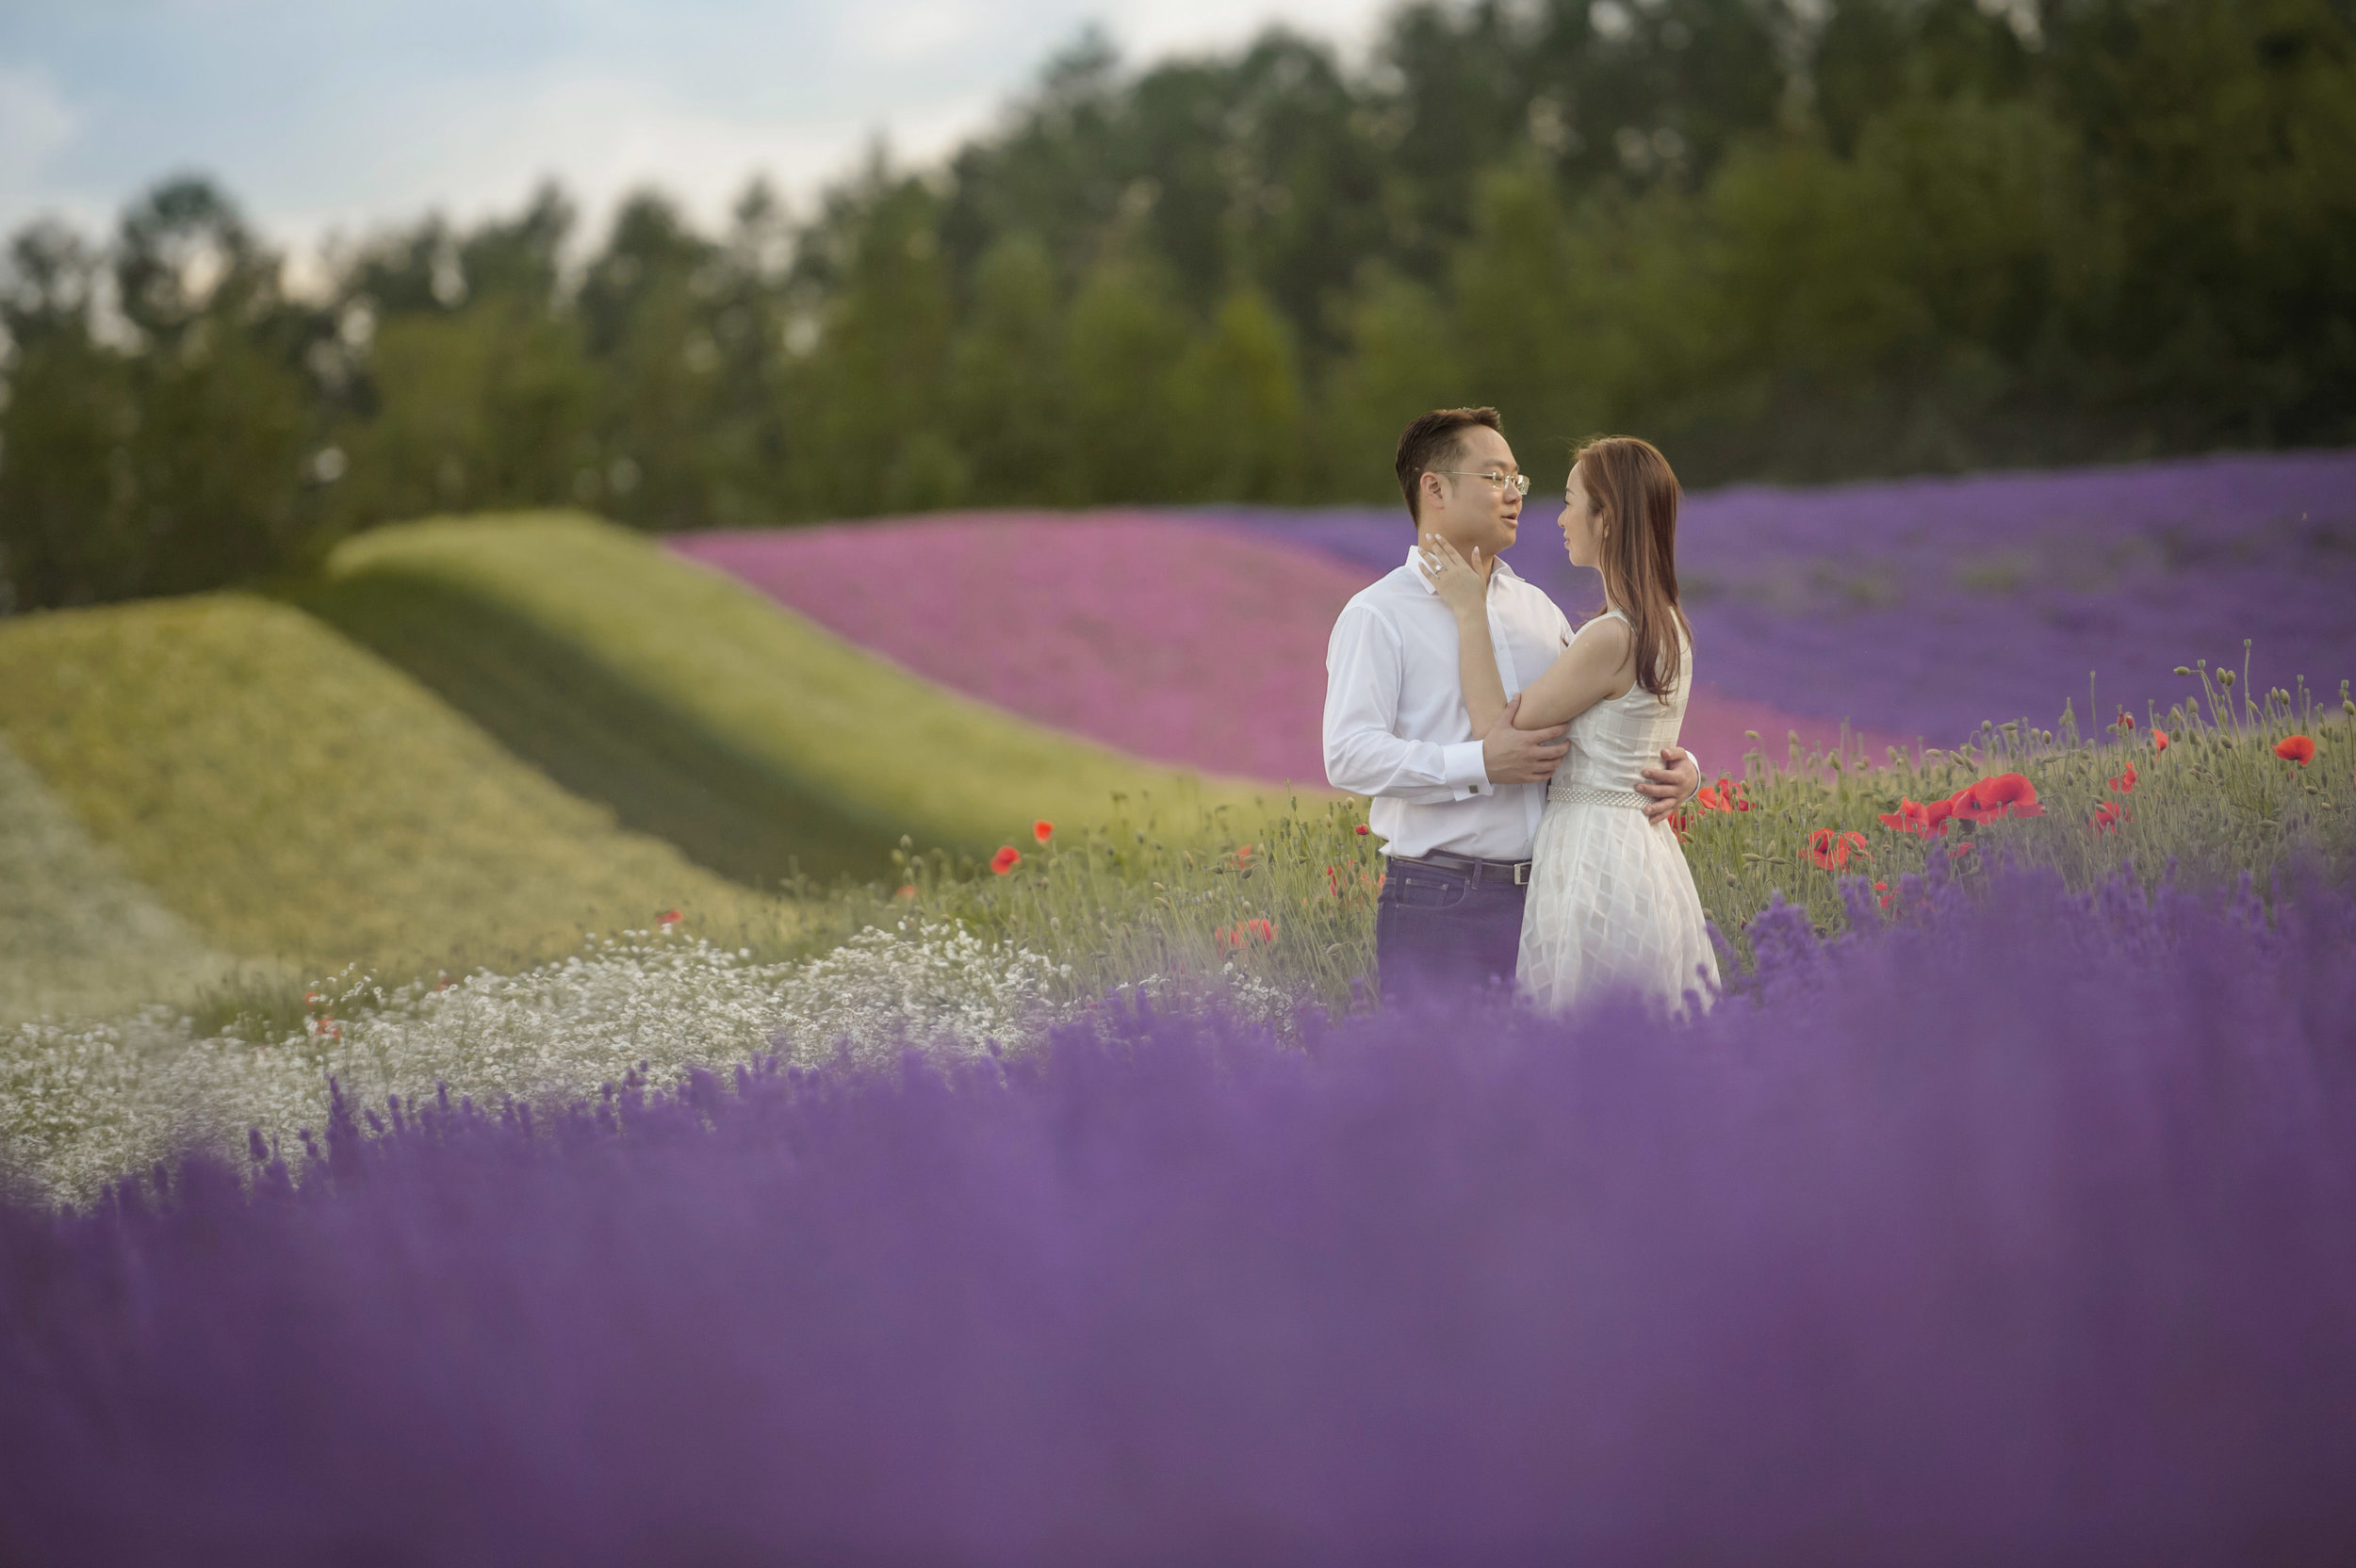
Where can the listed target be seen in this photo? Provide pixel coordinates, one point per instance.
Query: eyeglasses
(1519, 481)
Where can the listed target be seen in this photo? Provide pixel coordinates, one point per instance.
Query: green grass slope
(77, 934)
(286, 794)
(703, 713)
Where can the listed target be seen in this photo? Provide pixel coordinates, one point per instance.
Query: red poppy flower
(2159, 740)
(1242, 933)
(1363, 829)
(1831, 850)
(1723, 796)
(2005, 794)
(2125, 781)
(1005, 859)
(1924, 819)
(668, 919)
(1883, 888)
(2108, 816)
(1042, 831)
(2296, 749)
(1958, 851)
(2126, 719)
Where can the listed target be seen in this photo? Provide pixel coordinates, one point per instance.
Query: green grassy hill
(284, 794)
(704, 715)
(77, 934)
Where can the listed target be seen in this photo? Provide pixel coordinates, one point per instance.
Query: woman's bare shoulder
(1607, 632)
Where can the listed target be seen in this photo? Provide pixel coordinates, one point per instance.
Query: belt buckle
(1521, 873)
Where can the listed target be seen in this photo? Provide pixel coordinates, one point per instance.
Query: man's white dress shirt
(1395, 726)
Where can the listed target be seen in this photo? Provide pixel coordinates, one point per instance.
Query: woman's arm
(1599, 664)
(1465, 591)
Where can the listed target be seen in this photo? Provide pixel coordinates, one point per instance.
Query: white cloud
(350, 114)
(912, 30)
(36, 123)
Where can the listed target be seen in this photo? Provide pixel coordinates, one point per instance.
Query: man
(1458, 812)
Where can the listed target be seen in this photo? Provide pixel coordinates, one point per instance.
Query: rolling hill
(705, 715)
(284, 793)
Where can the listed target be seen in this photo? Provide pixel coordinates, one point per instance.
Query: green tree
(1009, 405)
(1124, 339)
(870, 394)
(491, 405)
(66, 525)
(1515, 292)
(173, 462)
(647, 309)
(1237, 432)
(1404, 357)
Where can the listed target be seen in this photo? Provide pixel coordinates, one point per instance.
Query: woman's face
(1581, 524)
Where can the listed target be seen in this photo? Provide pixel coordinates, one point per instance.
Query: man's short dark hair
(1436, 440)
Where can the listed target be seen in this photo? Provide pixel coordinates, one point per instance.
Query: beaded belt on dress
(1594, 794)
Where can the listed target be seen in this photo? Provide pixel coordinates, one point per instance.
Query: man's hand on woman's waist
(1670, 785)
(1527, 755)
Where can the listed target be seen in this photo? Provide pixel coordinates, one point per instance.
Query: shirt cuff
(1464, 770)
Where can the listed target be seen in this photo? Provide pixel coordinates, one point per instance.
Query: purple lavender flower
(1921, 607)
(2014, 1232)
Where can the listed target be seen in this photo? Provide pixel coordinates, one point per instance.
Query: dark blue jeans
(1438, 934)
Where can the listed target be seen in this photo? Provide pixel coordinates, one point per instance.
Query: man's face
(1473, 506)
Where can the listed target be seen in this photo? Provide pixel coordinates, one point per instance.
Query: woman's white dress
(1611, 905)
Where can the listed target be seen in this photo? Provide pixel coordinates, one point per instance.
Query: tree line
(1789, 240)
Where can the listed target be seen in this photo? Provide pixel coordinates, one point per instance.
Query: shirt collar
(1415, 568)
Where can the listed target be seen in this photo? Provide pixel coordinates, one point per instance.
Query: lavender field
(1909, 611)
(1920, 608)
(1886, 1262)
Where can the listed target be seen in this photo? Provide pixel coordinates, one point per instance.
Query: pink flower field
(1169, 637)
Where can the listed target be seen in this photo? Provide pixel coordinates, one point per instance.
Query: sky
(333, 117)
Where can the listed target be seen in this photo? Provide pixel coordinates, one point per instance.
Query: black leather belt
(1477, 871)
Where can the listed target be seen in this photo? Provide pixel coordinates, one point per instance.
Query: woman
(1611, 902)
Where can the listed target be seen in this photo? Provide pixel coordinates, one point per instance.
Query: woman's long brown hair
(1633, 486)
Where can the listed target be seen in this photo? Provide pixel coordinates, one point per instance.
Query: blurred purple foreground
(2017, 1232)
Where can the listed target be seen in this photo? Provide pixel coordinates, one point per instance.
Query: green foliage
(1124, 339)
(1006, 389)
(163, 468)
(492, 405)
(1236, 400)
(1166, 890)
(287, 795)
(1786, 242)
(1147, 897)
(699, 711)
(2215, 805)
